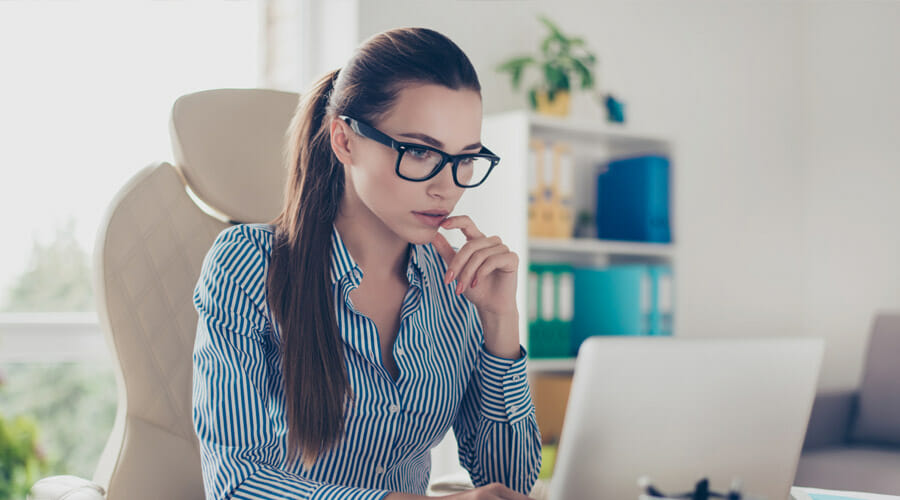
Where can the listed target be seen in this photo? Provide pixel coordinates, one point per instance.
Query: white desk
(804, 494)
(460, 482)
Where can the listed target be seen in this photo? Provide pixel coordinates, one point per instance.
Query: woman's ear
(340, 141)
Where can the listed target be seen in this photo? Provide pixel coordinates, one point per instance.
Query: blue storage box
(633, 200)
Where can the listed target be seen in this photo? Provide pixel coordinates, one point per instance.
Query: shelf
(537, 365)
(619, 137)
(595, 246)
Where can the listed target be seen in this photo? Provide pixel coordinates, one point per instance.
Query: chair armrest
(830, 419)
(67, 487)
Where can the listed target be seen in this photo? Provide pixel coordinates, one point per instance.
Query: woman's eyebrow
(431, 141)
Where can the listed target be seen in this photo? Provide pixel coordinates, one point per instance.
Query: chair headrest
(229, 144)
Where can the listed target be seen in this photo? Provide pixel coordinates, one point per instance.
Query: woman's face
(428, 114)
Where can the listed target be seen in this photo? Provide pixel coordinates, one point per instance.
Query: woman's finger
(506, 262)
(443, 248)
(465, 224)
(475, 263)
(464, 255)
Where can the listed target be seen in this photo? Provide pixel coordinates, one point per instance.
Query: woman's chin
(421, 236)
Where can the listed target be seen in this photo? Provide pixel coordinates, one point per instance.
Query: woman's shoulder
(240, 254)
(256, 237)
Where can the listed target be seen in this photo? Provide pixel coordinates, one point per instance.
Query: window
(86, 95)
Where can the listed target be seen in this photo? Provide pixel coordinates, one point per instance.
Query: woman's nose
(442, 184)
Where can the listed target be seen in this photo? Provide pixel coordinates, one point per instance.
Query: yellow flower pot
(559, 106)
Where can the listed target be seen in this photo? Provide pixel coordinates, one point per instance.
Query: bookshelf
(500, 206)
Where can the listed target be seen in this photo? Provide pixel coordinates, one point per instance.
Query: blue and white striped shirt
(446, 379)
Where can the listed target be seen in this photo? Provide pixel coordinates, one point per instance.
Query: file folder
(633, 299)
(550, 310)
(633, 200)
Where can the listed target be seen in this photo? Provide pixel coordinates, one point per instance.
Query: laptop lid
(681, 409)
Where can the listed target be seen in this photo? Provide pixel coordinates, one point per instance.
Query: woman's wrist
(501, 334)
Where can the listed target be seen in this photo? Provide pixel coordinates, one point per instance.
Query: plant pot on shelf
(558, 106)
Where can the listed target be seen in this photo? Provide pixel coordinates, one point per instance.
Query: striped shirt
(447, 379)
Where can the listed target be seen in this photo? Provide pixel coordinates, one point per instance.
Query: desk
(804, 494)
(460, 482)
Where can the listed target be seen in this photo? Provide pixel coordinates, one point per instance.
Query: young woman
(338, 345)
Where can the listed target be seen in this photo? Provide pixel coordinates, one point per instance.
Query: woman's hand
(486, 273)
(484, 268)
(493, 491)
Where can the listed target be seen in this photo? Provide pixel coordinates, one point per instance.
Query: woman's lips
(430, 220)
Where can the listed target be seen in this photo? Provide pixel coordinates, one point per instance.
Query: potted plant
(562, 60)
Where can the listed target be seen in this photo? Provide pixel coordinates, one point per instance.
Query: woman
(336, 346)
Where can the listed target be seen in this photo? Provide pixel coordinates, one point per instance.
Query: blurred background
(784, 117)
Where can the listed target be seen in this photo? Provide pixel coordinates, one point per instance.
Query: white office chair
(228, 148)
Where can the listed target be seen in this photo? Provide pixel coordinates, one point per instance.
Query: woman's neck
(376, 249)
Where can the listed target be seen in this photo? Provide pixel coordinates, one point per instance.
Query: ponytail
(314, 373)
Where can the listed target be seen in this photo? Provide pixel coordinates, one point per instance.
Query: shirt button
(513, 409)
(399, 351)
(515, 378)
(394, 408)
(379, 470)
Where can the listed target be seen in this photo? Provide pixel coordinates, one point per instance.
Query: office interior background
(785, 117)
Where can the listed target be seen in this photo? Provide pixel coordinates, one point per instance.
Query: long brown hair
(316, 383)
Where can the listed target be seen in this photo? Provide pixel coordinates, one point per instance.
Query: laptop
(680, 409)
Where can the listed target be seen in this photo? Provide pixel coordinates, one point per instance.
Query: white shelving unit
(593, 246)
(500, 206)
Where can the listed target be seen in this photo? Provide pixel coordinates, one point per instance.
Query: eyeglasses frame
(378, 136)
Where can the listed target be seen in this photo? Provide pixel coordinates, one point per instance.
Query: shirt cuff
(505, 396)
(335, 491)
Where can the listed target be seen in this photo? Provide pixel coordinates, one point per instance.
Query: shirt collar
(342, 262)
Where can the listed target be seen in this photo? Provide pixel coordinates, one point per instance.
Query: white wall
(851, 172)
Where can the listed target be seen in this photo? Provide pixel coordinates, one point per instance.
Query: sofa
(853, 438)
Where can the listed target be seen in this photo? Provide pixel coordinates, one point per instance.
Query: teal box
(630, 300)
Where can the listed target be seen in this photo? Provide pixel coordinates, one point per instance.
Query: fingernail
(459, 287)
(474, 282)
(448, 278)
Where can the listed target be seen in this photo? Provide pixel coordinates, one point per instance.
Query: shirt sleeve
(240, 452)
(496, 429)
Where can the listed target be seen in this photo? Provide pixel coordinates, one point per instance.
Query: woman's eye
(419, 152)
(466, 162)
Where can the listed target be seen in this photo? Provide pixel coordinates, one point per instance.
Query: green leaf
(587, 79)
(515, 67)
(556, 77)
(515, 62)
(532, 98)
(554, 30)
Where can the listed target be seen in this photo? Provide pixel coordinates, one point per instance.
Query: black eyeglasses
(418, 162)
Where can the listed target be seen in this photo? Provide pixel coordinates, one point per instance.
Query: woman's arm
(495, 426)
(496, 430)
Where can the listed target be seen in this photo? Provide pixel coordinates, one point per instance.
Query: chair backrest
(228, 146)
